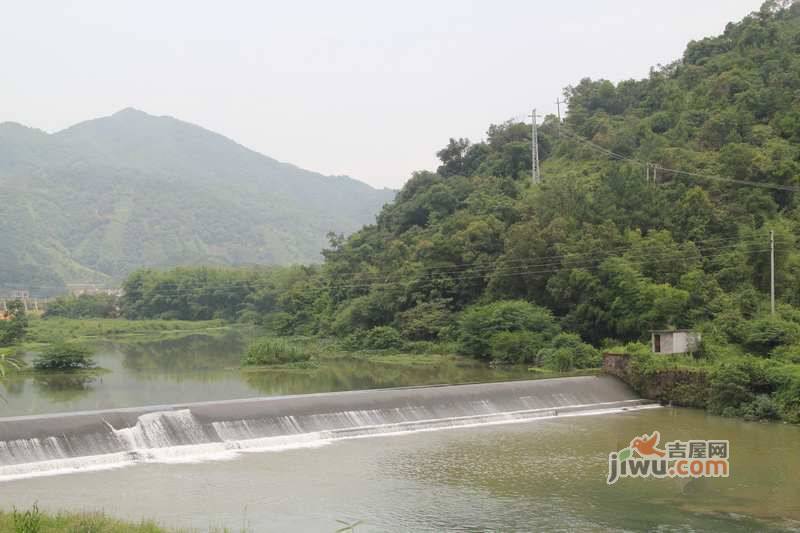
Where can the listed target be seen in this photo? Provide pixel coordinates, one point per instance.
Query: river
(537, 475)
(545, 473)
(202, 367)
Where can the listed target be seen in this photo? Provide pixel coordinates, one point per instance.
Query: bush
(365, 312)
(766, 334)
(64, 356)
(14, 329)
(377, 338)
(789, 354)
(729, 388)
(567, 352)
(481, 322)
(515, 346)
(84, 306)
(382, 338)
(426, 321)
(763, 407)
(273, 352)
(787, 395)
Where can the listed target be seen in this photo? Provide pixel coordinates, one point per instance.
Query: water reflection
(192, 353)
(205, 367)
(354, 374)
(64, 387)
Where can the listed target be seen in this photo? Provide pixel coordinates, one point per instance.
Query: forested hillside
(608, 251)
(657, 200)
(102, 198)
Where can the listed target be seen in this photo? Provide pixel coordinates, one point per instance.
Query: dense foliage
(624, 235)
(64, 356)
(260, 295)
(15, 324)
(274, 352)
(84, 306)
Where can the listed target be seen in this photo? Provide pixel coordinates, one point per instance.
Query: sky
(363, 88)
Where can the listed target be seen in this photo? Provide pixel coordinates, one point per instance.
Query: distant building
(674, 341)
(78, 289)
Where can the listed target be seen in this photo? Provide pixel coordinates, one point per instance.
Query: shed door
(657, 343)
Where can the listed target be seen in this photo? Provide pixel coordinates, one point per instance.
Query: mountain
(97, 200)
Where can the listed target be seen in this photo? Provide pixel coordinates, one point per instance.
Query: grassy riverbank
(728, 384)
(35, 521)
(45, 331)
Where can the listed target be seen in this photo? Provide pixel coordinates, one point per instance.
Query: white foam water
(177, 436)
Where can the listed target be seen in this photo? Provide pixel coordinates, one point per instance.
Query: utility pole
(772, 270)
(535, 171)
(558, 107)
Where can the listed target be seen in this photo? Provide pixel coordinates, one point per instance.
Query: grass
(35, 521)
(275, 351)
(49, 330)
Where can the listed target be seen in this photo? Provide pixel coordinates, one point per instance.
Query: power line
(255, 273)
(620, 157)
(518, 270)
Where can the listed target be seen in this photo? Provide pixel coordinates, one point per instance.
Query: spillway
(89, 440)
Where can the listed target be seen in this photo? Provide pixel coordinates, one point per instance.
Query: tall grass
(274, 352)
(35, 521)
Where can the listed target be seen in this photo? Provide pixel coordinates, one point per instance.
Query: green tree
(479, 323)
(14, 328)
(64, 356)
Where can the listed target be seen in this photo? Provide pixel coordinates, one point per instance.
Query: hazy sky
(366, 88)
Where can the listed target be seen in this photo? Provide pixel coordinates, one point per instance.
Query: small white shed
(674, 341)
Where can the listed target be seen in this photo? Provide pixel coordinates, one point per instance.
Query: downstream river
(536, 475)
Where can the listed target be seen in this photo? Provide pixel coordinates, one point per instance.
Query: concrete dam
(90, 440)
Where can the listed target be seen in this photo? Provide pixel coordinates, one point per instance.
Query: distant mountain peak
(115, 193)
(131, 111)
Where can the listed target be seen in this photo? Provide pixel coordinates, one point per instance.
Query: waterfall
(69, 442)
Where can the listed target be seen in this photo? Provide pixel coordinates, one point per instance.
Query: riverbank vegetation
(50, 330)
(265, 352)
(35, 521)
(64, 356)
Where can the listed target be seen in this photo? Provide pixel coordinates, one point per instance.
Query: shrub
(84, 306)
(64, 356)
(586, 355)
(365, 312)
(766, 334)
(382, 338)
(789, 354)
(788, 394)
(567, 351)
(273, 352)
(14, 329)
(481, 322)
(377, 338)
(763, 407)
(426, 321)
(515, 346)
(729, 388)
